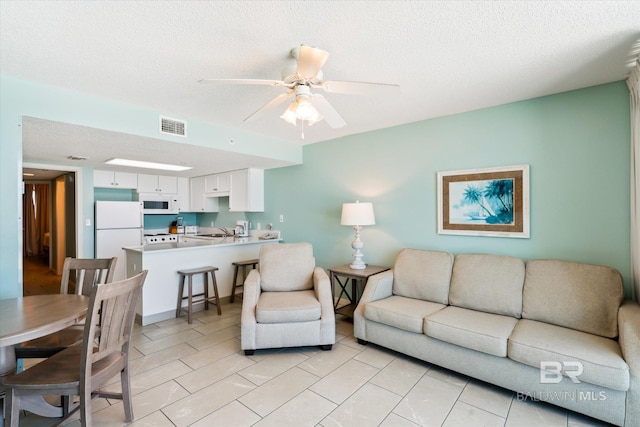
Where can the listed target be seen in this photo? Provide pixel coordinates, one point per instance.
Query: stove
(154, 239)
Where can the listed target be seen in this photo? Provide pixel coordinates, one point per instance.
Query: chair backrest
(108, 325)
(88, 272)
(286, 267)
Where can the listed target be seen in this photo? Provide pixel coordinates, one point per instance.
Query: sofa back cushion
(489, 283)
(286, 267)
(579, 296)
(423, 275)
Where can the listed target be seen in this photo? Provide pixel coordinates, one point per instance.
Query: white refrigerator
(118, 225)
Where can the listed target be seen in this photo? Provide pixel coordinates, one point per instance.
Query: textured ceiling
(448, 57)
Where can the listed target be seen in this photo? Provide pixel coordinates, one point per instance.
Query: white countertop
(190, 242)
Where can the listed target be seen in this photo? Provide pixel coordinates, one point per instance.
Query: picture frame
(490, 202)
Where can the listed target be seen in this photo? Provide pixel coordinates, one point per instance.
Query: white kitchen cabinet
(199, 202)
(218, 183)
(184, 198)
(111, 179)
(157, 184)
(247, 191)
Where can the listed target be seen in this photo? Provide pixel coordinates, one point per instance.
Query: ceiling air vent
(173, 126)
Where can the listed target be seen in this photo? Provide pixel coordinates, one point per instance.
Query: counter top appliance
(242, 228)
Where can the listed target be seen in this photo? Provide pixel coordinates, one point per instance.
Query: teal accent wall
(576, 143)
(164, 221)
(222, 218)
(111, 195)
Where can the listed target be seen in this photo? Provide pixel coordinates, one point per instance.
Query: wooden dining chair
(82, 370)
(81, 274)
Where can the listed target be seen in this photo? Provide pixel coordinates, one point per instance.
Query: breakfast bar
(163, 261)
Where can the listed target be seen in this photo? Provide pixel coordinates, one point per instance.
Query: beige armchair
(288, 302)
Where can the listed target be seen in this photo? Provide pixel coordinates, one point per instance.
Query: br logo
(551, 372)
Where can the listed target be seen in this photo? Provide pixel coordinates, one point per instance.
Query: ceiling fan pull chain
(302, 129)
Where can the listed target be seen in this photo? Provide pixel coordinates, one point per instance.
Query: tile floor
(196, 375)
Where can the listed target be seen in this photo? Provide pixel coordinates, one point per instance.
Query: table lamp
(357, 214)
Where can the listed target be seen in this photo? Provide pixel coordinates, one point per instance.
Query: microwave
(159, 203)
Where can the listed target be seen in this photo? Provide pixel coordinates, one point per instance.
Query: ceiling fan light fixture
(289, 115)
(301, 109)
(305, 110)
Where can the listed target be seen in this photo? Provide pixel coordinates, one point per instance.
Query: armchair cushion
(288, 307)
(286, 267)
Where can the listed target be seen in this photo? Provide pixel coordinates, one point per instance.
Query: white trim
(633, 82)
(79, 202)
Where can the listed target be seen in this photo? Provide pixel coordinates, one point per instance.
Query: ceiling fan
(300, 78)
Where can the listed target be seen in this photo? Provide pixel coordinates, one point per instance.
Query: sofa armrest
(379, 286)
(629, 339)
(322, 286)
(250, 297)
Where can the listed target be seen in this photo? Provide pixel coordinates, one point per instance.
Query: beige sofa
(498, 320)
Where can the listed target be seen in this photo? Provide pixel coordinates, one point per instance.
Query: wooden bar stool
(238, 265)
(205, 295)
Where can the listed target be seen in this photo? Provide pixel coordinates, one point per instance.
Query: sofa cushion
(286, 267)
(532, 342)
(423, 275)
(287, 307)
(477, 330)
(401, 312)
(579, 296)
(489, 283)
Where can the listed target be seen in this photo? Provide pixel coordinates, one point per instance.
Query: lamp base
(358, 263)
(358, 266)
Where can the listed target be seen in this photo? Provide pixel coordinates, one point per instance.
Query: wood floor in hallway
(37, 278)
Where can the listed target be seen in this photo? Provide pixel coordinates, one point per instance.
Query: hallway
(37, 278)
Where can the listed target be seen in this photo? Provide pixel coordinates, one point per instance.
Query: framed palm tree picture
(484, 202)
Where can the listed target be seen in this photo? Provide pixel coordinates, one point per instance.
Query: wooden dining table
(30, 317)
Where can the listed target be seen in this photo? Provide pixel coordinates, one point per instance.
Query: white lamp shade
(357, 214)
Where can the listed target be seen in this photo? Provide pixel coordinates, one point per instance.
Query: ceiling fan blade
(245, 82)
(358, 88)
(327, 111)
(271, 104)
(310, 61)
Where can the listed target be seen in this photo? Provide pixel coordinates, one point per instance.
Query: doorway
(49, 228)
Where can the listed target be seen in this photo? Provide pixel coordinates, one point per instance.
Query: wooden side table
(341, 276)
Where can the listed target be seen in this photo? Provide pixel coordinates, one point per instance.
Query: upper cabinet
(157, 184)
(184, 198)
(218, 183)
(244, 187)
(199, 202)
(247, 191)
(110, 179)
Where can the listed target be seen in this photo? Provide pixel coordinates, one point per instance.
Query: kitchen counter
(164, 260)
(188, 241)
